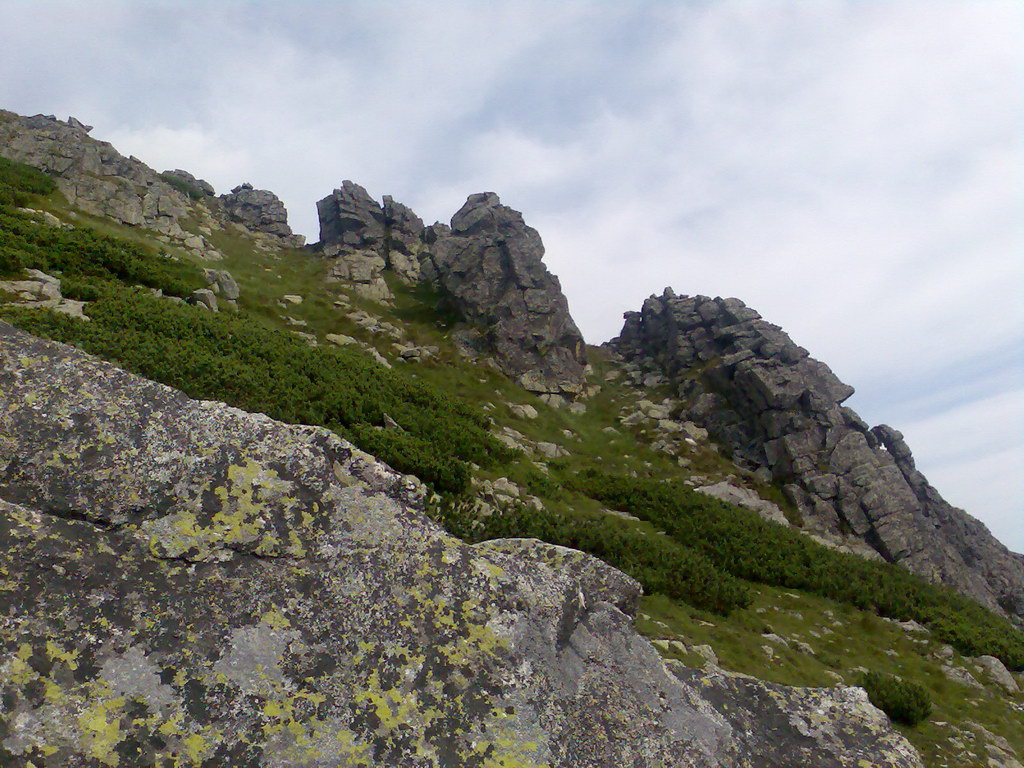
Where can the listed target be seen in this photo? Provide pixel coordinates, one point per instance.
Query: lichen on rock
(186, 584)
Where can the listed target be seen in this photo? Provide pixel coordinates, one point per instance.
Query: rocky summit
(260, 210)
(781, 412)
(187, 582)
(490, 265)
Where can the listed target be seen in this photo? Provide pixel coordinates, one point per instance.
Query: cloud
(852, 170)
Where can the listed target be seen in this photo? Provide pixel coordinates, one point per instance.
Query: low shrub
(740, 543)
(658, 563)
(229, 357)
(19, 182)
(902, 701)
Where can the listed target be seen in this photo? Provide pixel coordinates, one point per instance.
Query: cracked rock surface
(184, 583)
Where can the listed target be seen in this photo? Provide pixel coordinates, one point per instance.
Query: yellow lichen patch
(101, 729)
(53, 692)
(239, 520)
(56, 653)
(18, 672)
(196, 747)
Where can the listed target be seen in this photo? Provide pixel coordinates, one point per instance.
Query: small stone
(340, 339)
(204, 297)
(522, 411)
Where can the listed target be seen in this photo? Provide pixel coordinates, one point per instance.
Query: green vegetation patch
(183, 186)
(740, 543)
(228, 357)
(19, 182)
(903, 701)
(660, 564)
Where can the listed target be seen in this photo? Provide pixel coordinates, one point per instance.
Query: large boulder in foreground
(490, 266)
(185, 583)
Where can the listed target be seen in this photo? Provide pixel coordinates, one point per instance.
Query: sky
(852, 169)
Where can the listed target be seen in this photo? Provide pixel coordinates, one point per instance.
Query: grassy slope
(843, 639)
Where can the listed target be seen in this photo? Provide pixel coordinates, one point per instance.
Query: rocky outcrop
(362, 238)
(260, 210)
(353, 238)
(489, 265)
(39, 290)
(781, 413)
(91, 174)
(186, 582)
(97, 179)
(190, 182)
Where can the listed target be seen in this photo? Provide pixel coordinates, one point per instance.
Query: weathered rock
(41, 291)
(403, 240)
(204, 297)
(91, 174)
(523, 411)
(182, 578)
(998, 672)
(490, 268)
(260, 210)
(801, 726)
(353, 237)
(551, 450)
(746, 498)
(340, 339)
(780, 411)
(961, 675)
(222, 283)
(200, 185)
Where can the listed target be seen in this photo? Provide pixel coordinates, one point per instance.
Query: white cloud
(852, 170)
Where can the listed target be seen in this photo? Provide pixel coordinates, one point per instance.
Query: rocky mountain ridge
(488, 267)
(97, 179)
(780, 412)
(652, 393)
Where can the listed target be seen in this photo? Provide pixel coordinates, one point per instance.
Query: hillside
(705, 467)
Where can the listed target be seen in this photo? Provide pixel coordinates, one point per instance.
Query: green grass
(843, 641)
(740, 543)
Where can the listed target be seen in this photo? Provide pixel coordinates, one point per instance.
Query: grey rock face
(185, 578)
(801, 726)
(780, 410)
(490, 266)
(260, 210)
(222, 283)
(92, 174)
(201, 184)
(353, 236)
